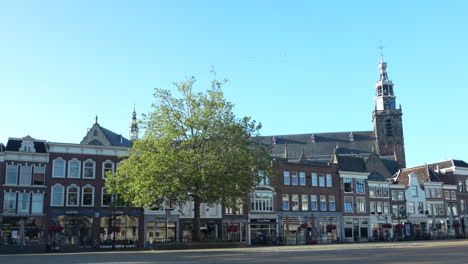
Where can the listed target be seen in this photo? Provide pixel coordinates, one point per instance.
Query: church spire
(385, 99)
(134, 126)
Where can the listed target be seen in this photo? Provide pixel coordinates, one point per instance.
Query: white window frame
(286, 178)
(304, 202)
(331, 200)
(314, 178)
(42, 204)
(53, 193)
(23, 173)
(28, 203)
(321, 179)
(285, 198)
(77, 161)
(92, 193)
(314, 200)
(12, 210)
(77, 193)
(329, 180)
(34, 172)
(302, 179)
(16, 176)
(103, 191)
(54, 168)
(104, 165)
(84, 169)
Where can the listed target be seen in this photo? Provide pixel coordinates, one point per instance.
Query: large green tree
(195, 149)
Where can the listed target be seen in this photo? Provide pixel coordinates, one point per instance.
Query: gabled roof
(350, 163)
(321, 145)
(99, 135)
(115, 139)
(425, 174)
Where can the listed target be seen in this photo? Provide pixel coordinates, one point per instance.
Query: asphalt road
(382, 253)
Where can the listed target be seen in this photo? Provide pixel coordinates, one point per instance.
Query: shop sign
(71, 212)
(269, 221)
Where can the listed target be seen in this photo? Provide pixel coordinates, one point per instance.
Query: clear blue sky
(296, 66)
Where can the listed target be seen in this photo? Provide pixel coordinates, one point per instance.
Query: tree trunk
(196, 219)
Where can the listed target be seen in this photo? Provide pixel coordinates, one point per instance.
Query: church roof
(351, 163)
(115, 139)
(321, 145)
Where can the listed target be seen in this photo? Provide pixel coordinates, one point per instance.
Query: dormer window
(27, 146)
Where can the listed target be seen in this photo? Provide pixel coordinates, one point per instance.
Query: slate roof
(15, 145)
(425, 174)
(321, 145)
(351, 163)
(116, 139)
(2, 147)
(460, 163)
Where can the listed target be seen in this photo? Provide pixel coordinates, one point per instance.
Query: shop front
(210, 229)
(262, 229)
(356, 229)
(161, 228)
(235, 229)
(381, 227)
(21, 231)
(416, 228)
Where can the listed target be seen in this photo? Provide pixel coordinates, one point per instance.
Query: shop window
(89, 169)
(58, 168)
(313, 202)
(73, 195)
(39, 175)
(348, 232)
(287, 179)
(159, 232)
(120, 230)
(77, 230)
(348, 185)
(11, 175)
(74, 167)
(364, 232)
(57, 195)
(87, 196)
(9, 203)
(285, 202)
(37, 203)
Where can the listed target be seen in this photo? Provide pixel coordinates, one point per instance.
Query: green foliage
(194, 149)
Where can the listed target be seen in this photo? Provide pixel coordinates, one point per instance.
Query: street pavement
(454, 251)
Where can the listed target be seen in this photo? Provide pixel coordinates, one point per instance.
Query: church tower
(387, 119)
(133, 134)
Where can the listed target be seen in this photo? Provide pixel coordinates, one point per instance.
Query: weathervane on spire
(381, 49)
(96, 119)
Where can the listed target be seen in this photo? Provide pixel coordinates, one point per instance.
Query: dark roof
(391, 165)
(15, 145)
(321, 144)
(425, 174)
(2, 147)
(116, 139)
(460, 163)
(351, 163)
(375, 176)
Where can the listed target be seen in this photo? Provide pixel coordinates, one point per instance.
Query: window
(454, 196)
(447, 195)
(372, 207)
(294, 180)
(106, 197)
(348, 204)
(58, 169)
(462, 206)
(107, 167)
(25, 175)
(237, 207)
(305, 202)
(323, 202)
(302, 179)
(402, 210)
(394, 195)
(379, 207)
(429, 209)
(348, 232)
(329, 180)
(87, 196)
(414, 191)
(331, 203)
(461, 186)
(57, 195)
(285, 202)
(439, 193)
(428, 192)
(360, 186)
(39, 175)
(37, 203)
(371, 191)
(321, 180)
(433, 193)
(411, 208)
(348, 185)
(262, 201)
(73, 195)
(287, 179)
(385, 192)
(74, 168)
(454, 210)
(9, 203)
(314, 179)
(23, 203)
(386, 208)
(421, 207)
(89, 169)
(313, 202)
(360, 204)
(295, 202)
(401, 195)
(264, 180)
(395, 210)
(388, 126)
(11, 175)
(466, 185)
